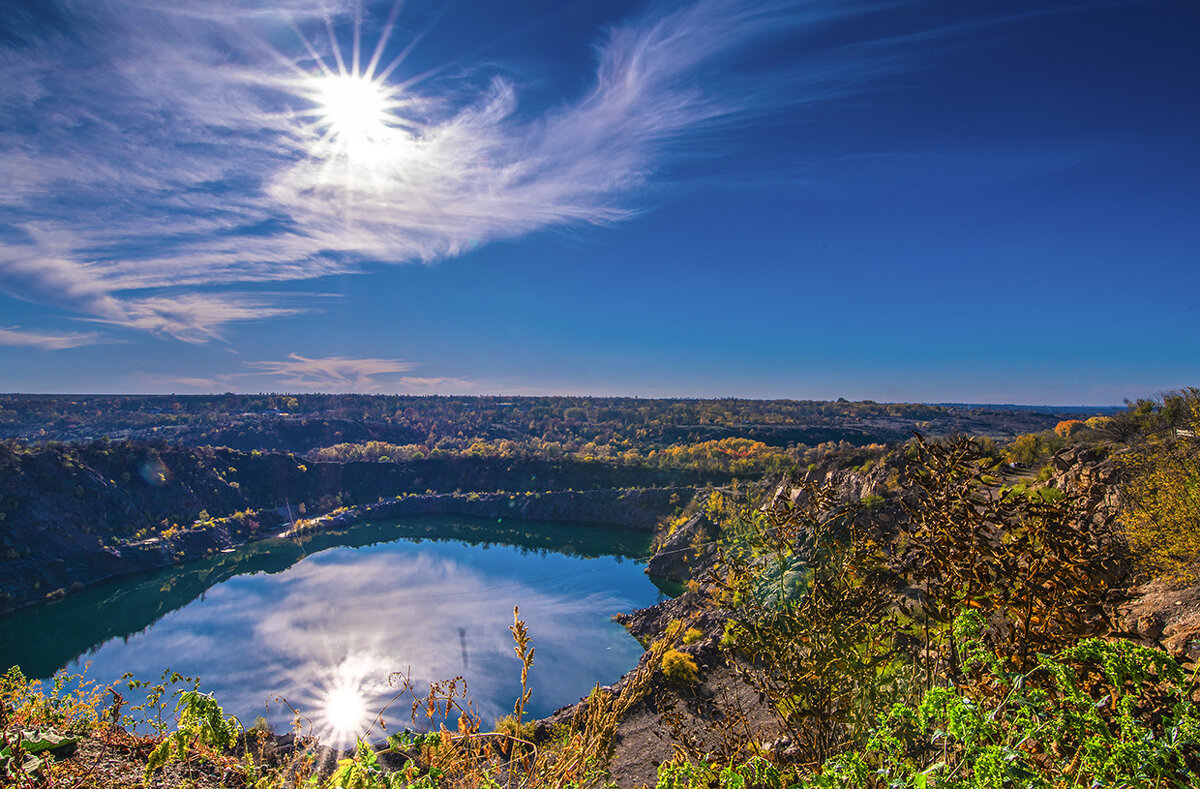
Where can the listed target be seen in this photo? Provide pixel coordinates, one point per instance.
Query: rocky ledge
(87, 560)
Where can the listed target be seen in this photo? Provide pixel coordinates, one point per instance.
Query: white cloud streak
(333, 373)
(155, 177)
(15, 336)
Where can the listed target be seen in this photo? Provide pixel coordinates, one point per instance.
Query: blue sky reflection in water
(326, 632)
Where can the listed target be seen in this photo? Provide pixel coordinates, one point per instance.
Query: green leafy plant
(202, 727)
(808, 628)
(159, 695)
(755, 773)
(1096, 714)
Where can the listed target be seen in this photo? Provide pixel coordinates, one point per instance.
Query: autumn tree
(1162, 515)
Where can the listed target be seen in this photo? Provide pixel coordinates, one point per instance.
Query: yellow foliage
(675, 522)
(737, 455)
(1162, 514)
(679, 667)
(715, 505)
(1032, 449)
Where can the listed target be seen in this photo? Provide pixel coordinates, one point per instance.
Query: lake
(324, 620)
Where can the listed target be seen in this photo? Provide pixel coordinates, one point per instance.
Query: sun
(355, 115)
(355, 110)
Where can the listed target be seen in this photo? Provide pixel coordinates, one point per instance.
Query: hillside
(71, 515)
(926, 613)
(82, 478)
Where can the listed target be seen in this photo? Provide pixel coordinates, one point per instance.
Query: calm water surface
(323, 621)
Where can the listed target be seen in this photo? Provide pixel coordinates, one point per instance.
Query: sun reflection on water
(322, 639)
(344, 714)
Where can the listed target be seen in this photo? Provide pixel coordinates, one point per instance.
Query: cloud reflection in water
(326, 633)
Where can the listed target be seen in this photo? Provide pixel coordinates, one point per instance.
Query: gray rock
(687, 551)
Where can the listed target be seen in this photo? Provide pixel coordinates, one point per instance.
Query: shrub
(1163, 491)
(1036, 562)
(510, 727)
(679, 668)
(871, 502)
(202, 725)
(1070, 427)
(1031, 449)
(809, 597)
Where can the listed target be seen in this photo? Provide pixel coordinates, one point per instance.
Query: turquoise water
(322, 622)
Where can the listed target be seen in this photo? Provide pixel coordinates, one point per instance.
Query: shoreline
(632, 508)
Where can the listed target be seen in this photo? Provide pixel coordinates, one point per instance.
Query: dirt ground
(644, 739)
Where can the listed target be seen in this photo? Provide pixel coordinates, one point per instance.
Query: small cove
(322, 621)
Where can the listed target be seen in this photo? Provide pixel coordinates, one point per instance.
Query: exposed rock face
(853, 485)
(686, 552)
(647, 624)
(71, 516)
(643, 738)
(1167, 615)
(849, 484)
(1090, 472)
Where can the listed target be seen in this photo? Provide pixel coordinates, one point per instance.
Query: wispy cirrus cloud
(333, 373)
(320, 374)
(15, 336)
(156, 159)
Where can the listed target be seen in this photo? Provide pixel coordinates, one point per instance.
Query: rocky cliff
(71, 515)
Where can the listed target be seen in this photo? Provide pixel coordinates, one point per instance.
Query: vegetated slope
(926, 617)
(922, 618)
(936, 616)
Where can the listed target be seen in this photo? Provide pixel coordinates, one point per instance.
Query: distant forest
(731, 435)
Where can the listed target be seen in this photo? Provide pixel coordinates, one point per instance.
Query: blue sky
(936, 201)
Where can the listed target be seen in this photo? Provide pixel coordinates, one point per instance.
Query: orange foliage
(1069, 427)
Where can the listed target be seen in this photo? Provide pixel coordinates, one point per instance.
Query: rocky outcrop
(1165, 614)
(686, 552)
(1090, 472)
